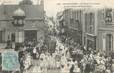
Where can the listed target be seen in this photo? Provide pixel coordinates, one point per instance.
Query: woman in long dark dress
(71, 69)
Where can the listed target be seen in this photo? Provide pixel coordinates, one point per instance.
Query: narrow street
(56, 36)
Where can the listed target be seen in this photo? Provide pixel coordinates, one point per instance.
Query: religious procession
(48, 36)
(65, 59)
(62, 58)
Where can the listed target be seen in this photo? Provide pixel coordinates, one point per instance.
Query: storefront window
(2, 35)
(109, 42)
(19, 37)
(90, 44)
(13, 37)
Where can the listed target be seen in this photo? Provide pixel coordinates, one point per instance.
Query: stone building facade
(96, 26)
(34, 25)
(70, 21)
(90, 28)
(106, 30)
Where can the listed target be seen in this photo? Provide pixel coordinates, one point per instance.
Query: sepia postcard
(56, 36)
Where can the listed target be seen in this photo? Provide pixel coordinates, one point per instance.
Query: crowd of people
(66, 58)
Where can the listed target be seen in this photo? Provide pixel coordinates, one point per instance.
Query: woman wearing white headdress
(112, 67)
(76, 69)
(65, 69)
(27, 61)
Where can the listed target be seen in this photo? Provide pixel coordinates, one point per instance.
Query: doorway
(13, 37)
(30, 35)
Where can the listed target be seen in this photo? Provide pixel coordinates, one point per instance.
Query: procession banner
(10, 61)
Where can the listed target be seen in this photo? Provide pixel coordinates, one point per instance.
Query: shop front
(90, 42)
(30, 35)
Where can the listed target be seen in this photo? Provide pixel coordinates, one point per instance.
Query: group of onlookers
(69, 57)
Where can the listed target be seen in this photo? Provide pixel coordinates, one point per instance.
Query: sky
(54, 6)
